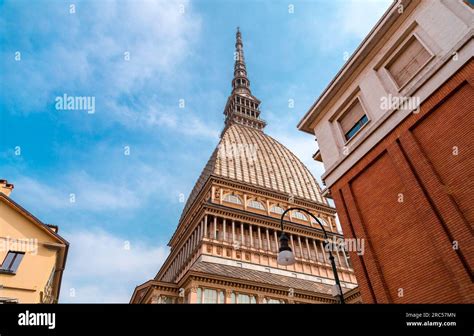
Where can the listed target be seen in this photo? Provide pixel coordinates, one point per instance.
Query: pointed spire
(240, 83)
(242, 107)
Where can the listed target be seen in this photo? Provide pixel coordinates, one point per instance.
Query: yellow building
(32, 254)
(226, 244)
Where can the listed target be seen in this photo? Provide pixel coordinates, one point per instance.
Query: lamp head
(285, 255)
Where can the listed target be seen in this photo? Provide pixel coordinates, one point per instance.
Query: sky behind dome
(140, 60)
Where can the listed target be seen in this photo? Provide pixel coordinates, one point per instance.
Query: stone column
(276, 242)
(228, 296)
(309, 250)
(316, 250)
(324, 252)
(301, 246)
(205, 226)
(251, 235)
(224, 224)
(338, 258)
(268, 240)
(345, 258)
(233, 232)
(259, 238)
(192, 298)
(215, 228)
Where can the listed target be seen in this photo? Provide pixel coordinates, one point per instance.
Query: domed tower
(225, 247)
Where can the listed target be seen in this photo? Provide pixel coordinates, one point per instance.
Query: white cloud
(339, 24)
(101, 268)
(197, 127)
(76, 191)
(181, 121)
(85, 55)
(126, 186)
(357, 17)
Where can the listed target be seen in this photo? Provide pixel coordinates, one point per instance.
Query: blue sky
(127, 206)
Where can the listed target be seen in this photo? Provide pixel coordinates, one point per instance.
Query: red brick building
(394, 129)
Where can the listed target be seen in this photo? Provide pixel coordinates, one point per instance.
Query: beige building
(394, 129)
(32, 254)
(225, 247)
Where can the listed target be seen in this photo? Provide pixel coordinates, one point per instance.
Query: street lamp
(286, 256)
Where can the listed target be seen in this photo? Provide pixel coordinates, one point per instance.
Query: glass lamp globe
(286, 257)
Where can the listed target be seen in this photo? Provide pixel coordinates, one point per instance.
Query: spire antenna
(242, 107)
(240, 81)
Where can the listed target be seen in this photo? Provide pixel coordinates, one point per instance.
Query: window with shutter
(353, 119)
(409, 60)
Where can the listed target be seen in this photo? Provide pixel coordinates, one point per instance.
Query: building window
(209, 296)
(232, 199)
(221, 297)
(12, 261)
(353, 119)
(273, 301)
(361, 122)
(277, 209)
(470, 3)
(199, 295)
(299, 215)
(246, 299)
(4, 300)
(408, 61)
(165, 300)
(256, 204)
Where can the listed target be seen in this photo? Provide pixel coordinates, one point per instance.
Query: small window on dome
(256, 204)
(299, 215)
(276, 209)
(232, 199)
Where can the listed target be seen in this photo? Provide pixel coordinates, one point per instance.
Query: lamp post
(286, 256)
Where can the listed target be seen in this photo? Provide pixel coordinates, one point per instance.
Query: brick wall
(412, 199)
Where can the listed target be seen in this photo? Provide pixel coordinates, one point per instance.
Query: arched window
(232, 199)
(323, 221)
(276, 209)
(299, 215)
(256, 204)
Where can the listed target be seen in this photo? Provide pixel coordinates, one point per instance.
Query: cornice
(254, 286)
(265, 221)
(224, 182)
